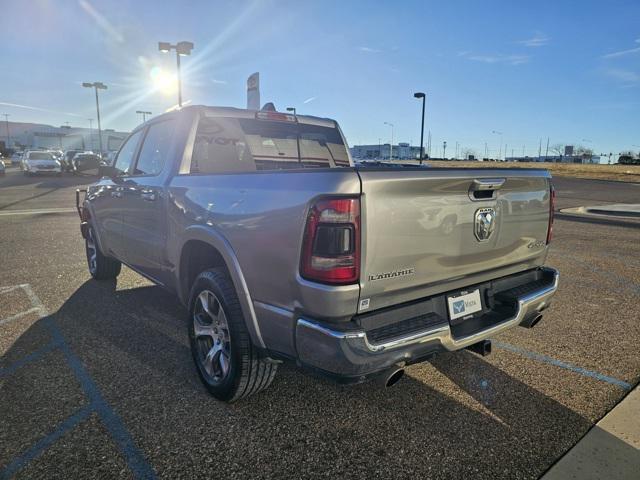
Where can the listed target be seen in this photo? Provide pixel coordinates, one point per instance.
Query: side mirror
(107, 171)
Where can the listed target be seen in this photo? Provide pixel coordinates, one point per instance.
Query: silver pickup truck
(282, 249)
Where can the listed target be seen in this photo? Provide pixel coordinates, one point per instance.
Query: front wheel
(100, 266)
(228, 364)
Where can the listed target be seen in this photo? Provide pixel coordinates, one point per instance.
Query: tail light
(331, 245)
(552, 208)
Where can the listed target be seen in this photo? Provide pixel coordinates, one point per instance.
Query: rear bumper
(351, 353)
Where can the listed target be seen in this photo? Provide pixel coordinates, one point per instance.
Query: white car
(40, 162)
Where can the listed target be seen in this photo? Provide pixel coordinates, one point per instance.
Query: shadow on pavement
(134, 345)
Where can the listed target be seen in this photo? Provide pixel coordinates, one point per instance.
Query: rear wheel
(100, 266)
(228, 364)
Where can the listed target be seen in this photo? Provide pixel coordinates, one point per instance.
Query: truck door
(107, 200)
(144, 227)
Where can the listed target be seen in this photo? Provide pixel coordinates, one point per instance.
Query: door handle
(480, 184)
(148, 196)
(116, 194)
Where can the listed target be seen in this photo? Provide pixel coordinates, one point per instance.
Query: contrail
(38, 109)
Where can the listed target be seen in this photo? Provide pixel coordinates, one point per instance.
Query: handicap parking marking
(135, 460)
(17, 316)
(559, 363)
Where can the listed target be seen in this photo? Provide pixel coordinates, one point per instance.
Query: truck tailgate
(421, 236)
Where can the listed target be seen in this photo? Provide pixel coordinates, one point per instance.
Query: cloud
(369, 50)
(500, 58)
(218, 82)
(622, 53)
(39, 109)
(309, 100)
(539, 39)
(627, 77)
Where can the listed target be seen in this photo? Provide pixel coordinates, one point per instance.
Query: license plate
(463, 305)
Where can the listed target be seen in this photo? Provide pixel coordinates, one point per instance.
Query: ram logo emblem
(485, 223)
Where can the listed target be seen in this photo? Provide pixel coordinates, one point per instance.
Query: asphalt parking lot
(96, 379)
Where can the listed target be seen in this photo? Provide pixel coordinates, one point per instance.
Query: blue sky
(565, 70)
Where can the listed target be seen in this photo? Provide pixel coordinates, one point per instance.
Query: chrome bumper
(350, 353)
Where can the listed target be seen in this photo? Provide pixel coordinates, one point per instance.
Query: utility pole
(486, 151)
(444, 150)
(97, 86)
(547, 151)
(505, 151)
(6, 119)
(91, 132)
(424, 99)
(429, 145)
(539, 149)
(523, 150)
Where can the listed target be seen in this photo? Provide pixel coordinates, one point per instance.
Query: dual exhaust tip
(482, 348)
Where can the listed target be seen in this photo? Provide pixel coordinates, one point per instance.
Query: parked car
(67, 157)
(35, 162)
(16, 158)
(282, 250)
(86, 164)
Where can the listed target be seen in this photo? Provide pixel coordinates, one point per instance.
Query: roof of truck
(214, 111)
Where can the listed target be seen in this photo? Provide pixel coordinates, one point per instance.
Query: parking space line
(17, 316)
(133, 457)
(558, 363)
(32, 357)
(21, 461)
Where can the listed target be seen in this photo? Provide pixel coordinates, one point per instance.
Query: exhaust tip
(535, 321)
(394, 377)
(532, 321)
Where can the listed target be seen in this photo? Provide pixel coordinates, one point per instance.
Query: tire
(100, 266)
(222, 339)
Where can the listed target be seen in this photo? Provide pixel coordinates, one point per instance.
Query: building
(557, 159)
(401, 151)
(23, 136)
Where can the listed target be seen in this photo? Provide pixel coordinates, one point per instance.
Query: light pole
(391, 144)
(499, 151)
(144, 115)
(91, 131)
(182, 49)
(424, 99)
(6, 119)
(444, 150)
(292, 109)
(97, 86)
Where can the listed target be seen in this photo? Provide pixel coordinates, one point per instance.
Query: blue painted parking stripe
(21, 461)
(32, 357)
(558, 363)
(134, 458)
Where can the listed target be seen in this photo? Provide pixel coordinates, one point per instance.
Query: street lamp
(391, 144)
(444, 150)
(144, 115)
(90, 131)
(97, 86)
(182, 49)
(292, 109)
(424, 98)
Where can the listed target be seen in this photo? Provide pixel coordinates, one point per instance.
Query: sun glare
(163, 81)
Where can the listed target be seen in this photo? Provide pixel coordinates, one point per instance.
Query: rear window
(225, 145)
(40, 156)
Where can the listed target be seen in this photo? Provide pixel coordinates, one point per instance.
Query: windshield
(40, 156)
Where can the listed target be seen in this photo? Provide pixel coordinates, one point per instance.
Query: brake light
(277, 116)
(331, 244)
(552, 208)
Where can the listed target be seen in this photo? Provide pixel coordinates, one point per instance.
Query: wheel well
(196, 257)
